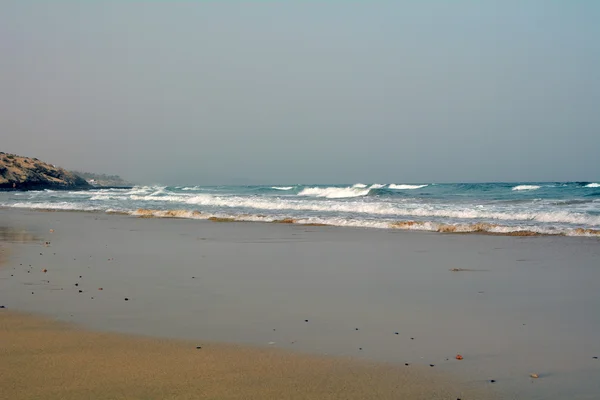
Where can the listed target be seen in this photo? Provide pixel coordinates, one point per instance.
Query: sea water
(561, 208)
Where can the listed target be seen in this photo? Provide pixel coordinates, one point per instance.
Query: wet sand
(519, 306)
(45, 359)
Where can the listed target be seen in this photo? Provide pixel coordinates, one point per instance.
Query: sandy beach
(278, 307)
(52, 360)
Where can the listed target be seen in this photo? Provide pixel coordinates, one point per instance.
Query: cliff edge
(23, 173)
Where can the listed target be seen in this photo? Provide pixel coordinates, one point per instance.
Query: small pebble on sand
(126, 299)
(534, 376)
(198, 347)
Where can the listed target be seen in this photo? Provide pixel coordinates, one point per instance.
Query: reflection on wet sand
(13, 235)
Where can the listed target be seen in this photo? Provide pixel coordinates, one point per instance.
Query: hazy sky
(304, 91)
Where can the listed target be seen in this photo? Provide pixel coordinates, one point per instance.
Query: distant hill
(23, 173)
(103, 179)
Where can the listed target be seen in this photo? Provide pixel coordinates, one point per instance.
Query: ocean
(559, 208)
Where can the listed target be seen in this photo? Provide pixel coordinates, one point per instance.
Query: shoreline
(403, 226)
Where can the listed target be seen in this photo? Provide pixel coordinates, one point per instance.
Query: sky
(242, 92)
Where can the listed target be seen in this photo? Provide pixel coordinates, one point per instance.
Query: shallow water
(529, 305)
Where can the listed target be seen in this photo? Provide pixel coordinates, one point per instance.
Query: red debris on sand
(459, 357)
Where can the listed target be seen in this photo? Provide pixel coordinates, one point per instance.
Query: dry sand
(45, 359)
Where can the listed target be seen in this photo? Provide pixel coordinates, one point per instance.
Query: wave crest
(525, 187)
(405, 187)
(593, 185)
(334, 192)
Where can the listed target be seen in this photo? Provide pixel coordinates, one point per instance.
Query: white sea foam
(593, 185)
(525, 187)
(377, 224)
(54, 206)
(405, 187)
(192, 188)
(282, 187)
(359, 185)
(380, 208)
(334, 192)
(552, 220)
(376, 186)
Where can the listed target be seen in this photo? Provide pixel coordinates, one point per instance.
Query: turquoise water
(571, 208)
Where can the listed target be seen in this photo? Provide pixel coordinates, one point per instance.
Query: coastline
(404, 226)
(258, 284)
(509, 209)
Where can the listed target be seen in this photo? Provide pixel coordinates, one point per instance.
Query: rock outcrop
(22, 173)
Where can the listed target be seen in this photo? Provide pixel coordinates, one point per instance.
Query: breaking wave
(405, 187)
(525, 187)
(335, 192)
(373, 208)
(491, 208)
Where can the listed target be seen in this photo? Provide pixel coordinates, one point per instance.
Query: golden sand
(44, 359)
